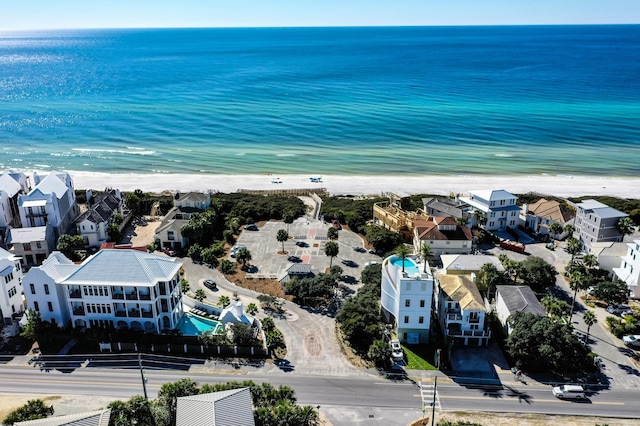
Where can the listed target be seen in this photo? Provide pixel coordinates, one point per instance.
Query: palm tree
(577, 283)
(403, 251)
(589, 319)
(626, 226)
(481, 217)
(574, 246)
(282, 236)
(331, 249)
(425, 253)
(569, 229)
(243, 256)
(332, 233)
(590, 261)
(555, 229)
(200, 295)
(288, 217)
(224, 301)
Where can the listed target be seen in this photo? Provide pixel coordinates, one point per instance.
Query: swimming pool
(192, 325)
(410, 266)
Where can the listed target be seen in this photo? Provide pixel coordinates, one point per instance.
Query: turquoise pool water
(410, 266)
(192, 325)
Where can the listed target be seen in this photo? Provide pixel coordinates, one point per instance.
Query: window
(170, 235)
(36, 306)
(421, 320)
(407, 303)
(46, 289)
(12, 292)
(38, 244)
(50, 305)
(422, 303)
(406, 319)
(33, 288)
(27, 246)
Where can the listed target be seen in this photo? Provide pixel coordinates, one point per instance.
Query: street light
(144, 380)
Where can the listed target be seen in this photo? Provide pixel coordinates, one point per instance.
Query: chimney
(473, 277)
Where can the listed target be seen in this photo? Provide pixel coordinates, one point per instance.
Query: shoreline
(561, 186)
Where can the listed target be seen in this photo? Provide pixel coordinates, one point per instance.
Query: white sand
(563, 186)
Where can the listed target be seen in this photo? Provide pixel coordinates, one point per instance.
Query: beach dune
(563, 186)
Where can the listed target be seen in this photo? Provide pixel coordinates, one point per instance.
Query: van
(569, 392)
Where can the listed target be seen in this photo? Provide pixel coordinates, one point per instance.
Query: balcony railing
(75, 294)
(145, 296)
(147, 314)
(132, 296)
(78, 311)
(134, 313)
(120, 313)
(118, 296)
(454, 317)
(474, 320)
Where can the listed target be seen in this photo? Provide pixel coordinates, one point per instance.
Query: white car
(632, 340)
(235, 250)
(396, 350)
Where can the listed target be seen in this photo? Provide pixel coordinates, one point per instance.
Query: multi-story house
(397, 215)
(407, 298)
(169, 232)
(10, 286)
(496, 208)
(32, 245)
(93, 224)
(540, 215)
(597, 222)
(51, 201)
(629, 270)
(117, 288)
(436, 206)
(443, 234)
(461, 310)
(11, 186)
(467, 264)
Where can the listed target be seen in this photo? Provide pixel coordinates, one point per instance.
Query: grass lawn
(417, 356)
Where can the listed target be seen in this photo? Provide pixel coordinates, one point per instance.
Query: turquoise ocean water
(397, 100)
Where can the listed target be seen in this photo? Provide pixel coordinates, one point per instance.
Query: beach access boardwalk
(293, 191)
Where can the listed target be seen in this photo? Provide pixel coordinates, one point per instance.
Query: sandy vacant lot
(62, 405)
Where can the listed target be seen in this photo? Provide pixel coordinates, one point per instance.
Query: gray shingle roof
(520, 299)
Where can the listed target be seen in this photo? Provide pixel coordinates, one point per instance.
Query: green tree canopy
(34, 409)
(612, 292)
(68, 244)
(331, 249)
(538, 274)
(382, 239)
(282, 236)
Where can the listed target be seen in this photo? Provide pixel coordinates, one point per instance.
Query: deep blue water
(396, 100)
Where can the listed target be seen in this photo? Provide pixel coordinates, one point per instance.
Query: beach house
(467, 264)
(103, 207)
(11, 304)
(597, 222)
(511, 299)
(436, 206)
(169, 232)
(407, 297)
(540, 215)
(629, 270)
(31, 245)
(229, 407)
(494, 210)
(397, 215)
(51, 201)
(461, 310)
(12, 184)
(120, 288)
(443, 234)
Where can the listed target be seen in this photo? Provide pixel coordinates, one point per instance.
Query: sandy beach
(563, 186)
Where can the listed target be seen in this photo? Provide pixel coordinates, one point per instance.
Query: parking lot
(307, 239)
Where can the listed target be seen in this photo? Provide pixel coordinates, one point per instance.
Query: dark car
(360, 249)
(210, 284)
(301, 244)
(350, 263)
(294, 259)
(251, 227)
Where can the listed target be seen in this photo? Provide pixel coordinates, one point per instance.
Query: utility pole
(433, 403)
(144, 381)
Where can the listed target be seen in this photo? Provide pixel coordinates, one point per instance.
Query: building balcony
(454, 318)
(474, 320)
(75, 294)
(120, 313)
(78, 311)
(119, 296)
(145, 296)
(132, 296)
(133, 313)
(147, 314)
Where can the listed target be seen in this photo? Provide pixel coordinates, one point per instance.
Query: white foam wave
(285, 155)
(135, 151)
(503, 155)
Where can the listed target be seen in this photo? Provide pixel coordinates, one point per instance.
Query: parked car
(294, 259)
(370, 263)
(169, 251)
(569, 392)
(632, 340)
(301, 244)
(210, 284)
(251, 227)
(337, 225)
(349, 263)
(619, 309)
(235, 250)
(360, 249)
(396, 350)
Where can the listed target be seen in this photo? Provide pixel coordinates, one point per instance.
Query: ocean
(397, 101)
